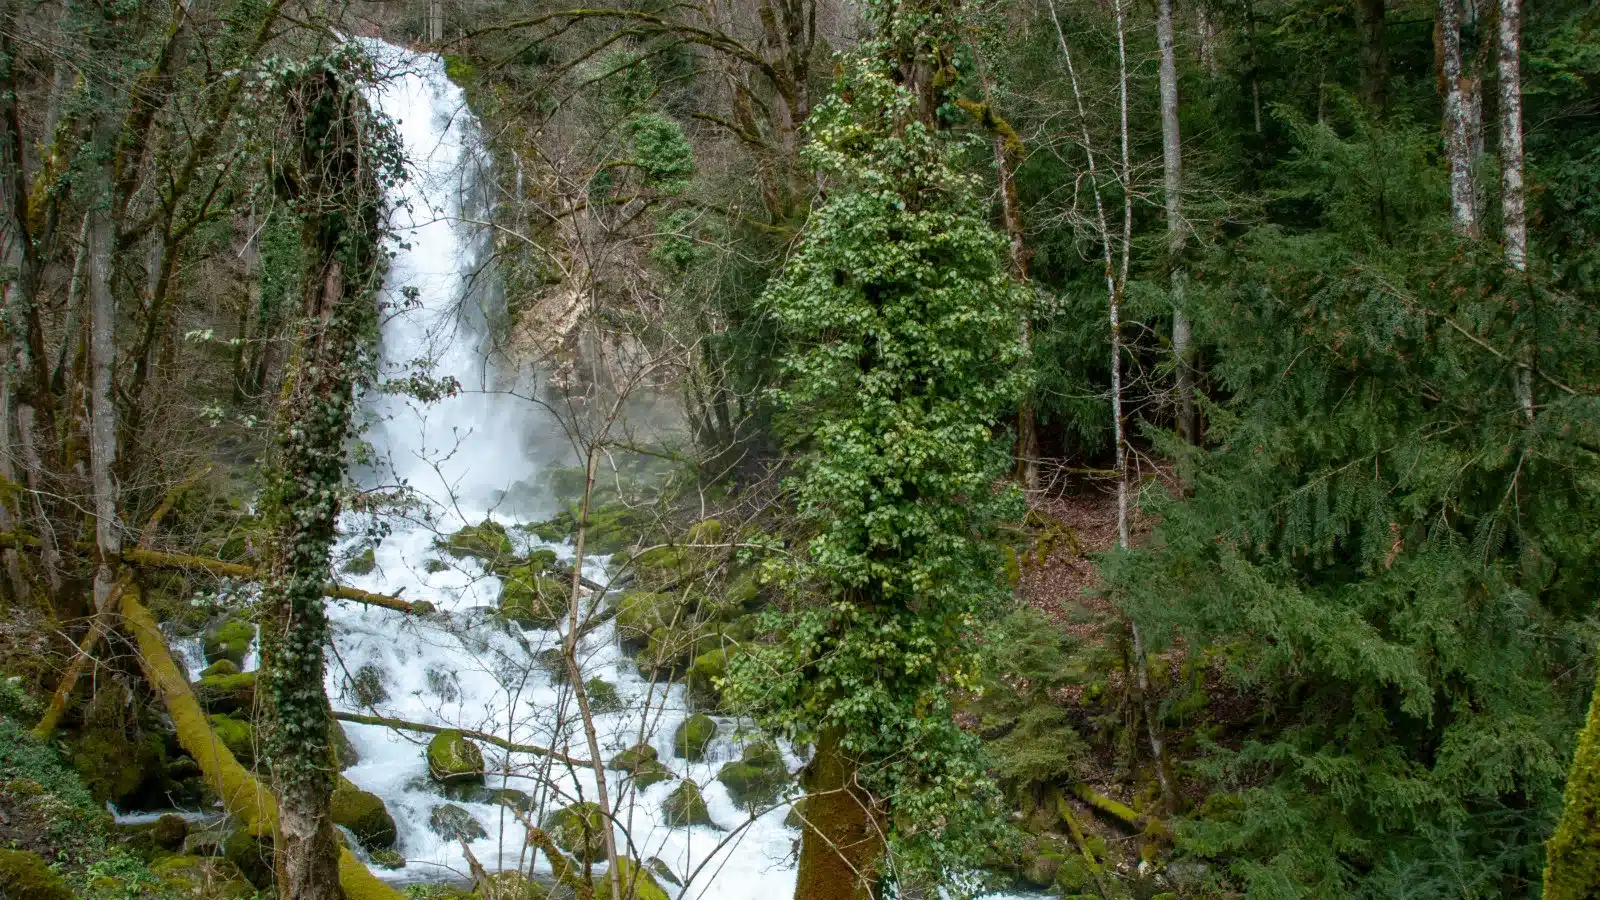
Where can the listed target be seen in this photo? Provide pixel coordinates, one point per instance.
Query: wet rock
(686, 806)
(797, 815)
(229, 640)
(367, 686)
(25, 874)
(452, 758)
(693, 736)
(169, 832)
(757, 780)
(363, 563)
(663, 871)
(202, 877)
(364, 814)
(486, 541)
(387, 859)
(639, 613)
(579, 829)
(345, 754)
(554, 662)
(469, 792)
(603, 696)
(704, 673)
(641, 763)
(453, 823)
(1042, 858)
(220, 667)
(532, 599)
(227, 693)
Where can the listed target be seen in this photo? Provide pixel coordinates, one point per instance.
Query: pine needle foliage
(1398, 558)
(901, 327)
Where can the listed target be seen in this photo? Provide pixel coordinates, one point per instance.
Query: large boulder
(640, 762)
(532, 599)
(364, 814)
(116, 765)
(693, 736)
(202, 878)
(452, 758)
(705, 675)
(454, 823)
(631, 875)
(686, 806)
(26, 875)
(230, 640)
(169, 832)
(579, 829)
(603, 696)
(639, 613)
(1042, 858)
(757, 780)
(486, 541)
(220, 667)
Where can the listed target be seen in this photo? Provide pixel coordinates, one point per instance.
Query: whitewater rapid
(465, 667)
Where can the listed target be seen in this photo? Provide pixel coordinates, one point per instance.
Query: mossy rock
(469, 792)
(603, 696)
(1042, 858)
(363, 563)
(630, 873)
(387, 859)
(705, 531)
(796, 818)
(1074, 876)
(663, 871)
(345, 754)
(686, 806)
(115, 766)
(229, 640)
(238, 735)
(364, 814)
(452, 758)
(554, 663)
(704, 674)
(227, 693)
(367, 686)
(249, 847)
(541, 561)
(434, 566)
(639, 613)
(757, 780)
(640, 762)
(220, 667)
(510, 885)
(670, 651)
(202, 877)
(486, 541)
(453, 823)
(533, 600)
(664, 566)
(579, 829)
(169, 832)
(27, 876)
(693, 736)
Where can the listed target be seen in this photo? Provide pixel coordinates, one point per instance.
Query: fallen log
(482, 736)
(242, 795)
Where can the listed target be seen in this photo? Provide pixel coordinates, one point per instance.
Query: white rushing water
(465, 668)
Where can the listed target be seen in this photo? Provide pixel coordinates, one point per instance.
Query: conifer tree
(900, 317)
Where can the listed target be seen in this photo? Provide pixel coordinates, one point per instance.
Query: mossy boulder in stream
(486, 541)
(229, 640)
(532, 599)
(452, 758)
(220, 667)
(630, 874)
(686, 806)
(693, 737)
(364, 814)
(603, 696)
(579, 829)
(757, 780)
(27, 875)
(202, 877)
(640, 762)
(453, 823)
(115, 765)
(704, 674)
(639, 613)
(362, 563)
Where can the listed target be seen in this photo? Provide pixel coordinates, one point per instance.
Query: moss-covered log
(241, 794)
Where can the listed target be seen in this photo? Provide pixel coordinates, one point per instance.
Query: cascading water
(465, 667)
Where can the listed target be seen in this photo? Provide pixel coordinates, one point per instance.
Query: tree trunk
(1177, 231)
(841, 844)
(1572, 858)
(1457, 120)
(99, 249)
(436, 20)
(340, 239)
(1513, 195)
(1374, 54)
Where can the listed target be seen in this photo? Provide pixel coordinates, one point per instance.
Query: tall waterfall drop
(464, 667)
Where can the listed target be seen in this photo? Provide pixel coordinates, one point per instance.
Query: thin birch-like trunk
(1177, 232)
(99, 247)
(1374, 53)
(1513, 195)
(1458, 140)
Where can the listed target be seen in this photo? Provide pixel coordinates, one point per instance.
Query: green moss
(220, 667)
(453, 758)
(486, 541)
(641, 612)
(705, 677)
(630, 873)
(1074, 875)
(533, 600)
(1042, 858)
(249, 848)
(686, 806)
(510, 885)
(459, 69)
(238, 735)
(640, 762)
(345, 754)
(362, 564)
(227, 693)
(757, 780)
(434, 566)
(169, 832)
(199, 876)
(367, 686)
(664, 565)
(364, 814)
(579, 829)
(387, 859)
(603, 696)
(705, 531)
(541, 561)
(229, 640)
(453, 823)
(693, 736)
(27, 876)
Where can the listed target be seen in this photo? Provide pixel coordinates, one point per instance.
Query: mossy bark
(240, 793)
(1572, 868)
(842, 843)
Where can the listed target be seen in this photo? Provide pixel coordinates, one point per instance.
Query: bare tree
(1457, 120)
(1177, 228)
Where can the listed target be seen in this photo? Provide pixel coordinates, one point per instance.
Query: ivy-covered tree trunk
(335, 193)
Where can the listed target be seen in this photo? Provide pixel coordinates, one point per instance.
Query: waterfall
(465, 667)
